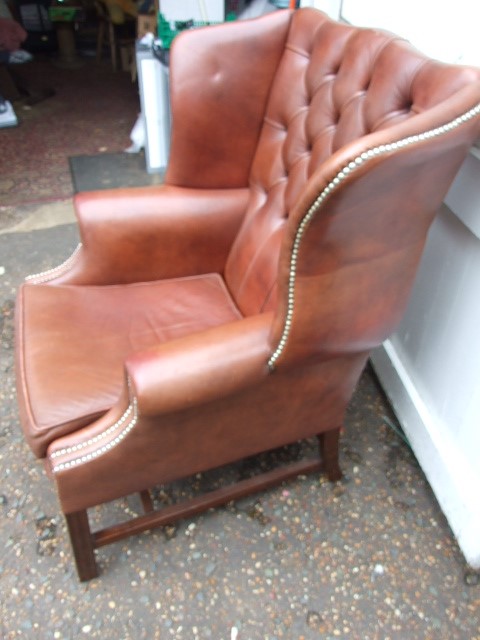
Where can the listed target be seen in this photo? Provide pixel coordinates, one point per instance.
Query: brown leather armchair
(231, 310)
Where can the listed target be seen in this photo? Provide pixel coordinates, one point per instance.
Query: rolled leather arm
(101, 461)
(201, 367)
(177, 375)
(148, 233)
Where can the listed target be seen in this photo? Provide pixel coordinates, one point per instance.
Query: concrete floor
(370, 557)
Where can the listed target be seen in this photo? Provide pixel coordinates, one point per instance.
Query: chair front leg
(147, 502)
(82, 542)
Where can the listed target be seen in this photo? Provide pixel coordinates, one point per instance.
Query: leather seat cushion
(71, 362)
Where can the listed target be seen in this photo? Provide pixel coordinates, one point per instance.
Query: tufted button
(308, 146)
(336, 115)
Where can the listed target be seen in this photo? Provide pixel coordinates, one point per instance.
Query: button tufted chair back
(334, 84)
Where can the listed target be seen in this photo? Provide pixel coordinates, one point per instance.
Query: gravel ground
(370, 557)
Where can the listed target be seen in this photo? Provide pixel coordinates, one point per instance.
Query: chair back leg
(113, 45)
(100, 39)
(329, 444)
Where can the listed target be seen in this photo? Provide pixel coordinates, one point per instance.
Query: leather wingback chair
(231, 310)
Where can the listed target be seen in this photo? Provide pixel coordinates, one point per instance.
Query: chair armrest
(150, 233)
(201, 367)
(165, 382)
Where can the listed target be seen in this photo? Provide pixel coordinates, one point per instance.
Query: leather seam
(50, 274)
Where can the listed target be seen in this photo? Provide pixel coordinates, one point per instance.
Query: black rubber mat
(111, 170)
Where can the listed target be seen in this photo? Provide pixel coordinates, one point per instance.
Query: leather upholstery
(150, 233)
(221, 76)
(232, 309)
(87, 366)
(255, 417)
(334, 85)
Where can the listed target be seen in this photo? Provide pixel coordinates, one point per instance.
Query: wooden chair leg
(113, 45)
(147, 501)
(82, 542)
(329, 441)
(100, 39)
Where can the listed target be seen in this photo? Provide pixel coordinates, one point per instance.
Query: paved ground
(371, 557)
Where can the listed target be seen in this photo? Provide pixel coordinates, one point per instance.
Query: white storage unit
(430, 368)
(153, 75)
(153, 82)
(198, 10)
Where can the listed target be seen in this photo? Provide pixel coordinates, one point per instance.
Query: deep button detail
(334, 84)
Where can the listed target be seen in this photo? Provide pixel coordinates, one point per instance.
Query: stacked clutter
(11, 37)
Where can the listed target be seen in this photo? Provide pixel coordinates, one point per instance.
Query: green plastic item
(64, 14)
(167, 31)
